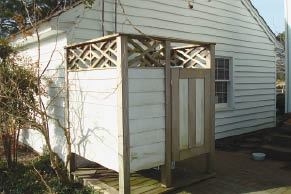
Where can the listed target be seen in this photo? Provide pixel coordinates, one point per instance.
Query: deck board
(147, 181)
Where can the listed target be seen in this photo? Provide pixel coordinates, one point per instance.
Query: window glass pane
(220, 74)
(221, 69)
(226, 62)
(221, 92)
(226, 75)
(222, 78)
(220, 63)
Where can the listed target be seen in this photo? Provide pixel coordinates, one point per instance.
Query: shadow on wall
(56, 110)
(93, 129)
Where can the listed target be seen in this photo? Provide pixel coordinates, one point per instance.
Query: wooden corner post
(122, 117)
(211, 61)
(166, 177)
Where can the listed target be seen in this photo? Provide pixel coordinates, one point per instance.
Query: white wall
(146, 118)
(93, 115)
(52, 57)
(229, 24)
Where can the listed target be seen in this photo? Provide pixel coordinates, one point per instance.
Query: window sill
(223, 107)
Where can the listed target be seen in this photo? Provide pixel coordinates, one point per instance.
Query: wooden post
(72, 163)
(211, 61)
(288, 55)
(166, 177)
(123, 125)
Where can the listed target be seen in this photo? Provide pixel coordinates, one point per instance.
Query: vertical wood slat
(175, 114)
(183, 114)
(123, 122)
(192, 113)
(207, 119)
(211, 63)
(200, 111)
(166, 176)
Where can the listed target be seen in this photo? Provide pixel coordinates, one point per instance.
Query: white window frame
(229, 105)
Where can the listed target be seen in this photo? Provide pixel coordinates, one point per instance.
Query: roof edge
(262, 22)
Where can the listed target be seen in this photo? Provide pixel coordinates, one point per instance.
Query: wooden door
(191, 112)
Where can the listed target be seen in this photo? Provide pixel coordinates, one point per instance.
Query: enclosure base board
(146, 181)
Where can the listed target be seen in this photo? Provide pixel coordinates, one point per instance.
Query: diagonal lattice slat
(145, 53)
(93, 55)
(190, 57)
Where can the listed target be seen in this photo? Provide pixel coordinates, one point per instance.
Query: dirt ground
(24, 154)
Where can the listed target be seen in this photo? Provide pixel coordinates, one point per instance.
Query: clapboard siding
(93, 115)
(241, 118)
(146, 117)
(52, 60)
(148, 156)
(244, 111)
(92, 94)
(249, 123)
(229, 24)
(244, 129)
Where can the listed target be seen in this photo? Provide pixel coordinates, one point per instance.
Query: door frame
(193, 149)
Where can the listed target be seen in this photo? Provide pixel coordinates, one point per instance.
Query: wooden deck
(147, 181)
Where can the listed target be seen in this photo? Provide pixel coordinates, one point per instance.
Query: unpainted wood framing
(123, 51)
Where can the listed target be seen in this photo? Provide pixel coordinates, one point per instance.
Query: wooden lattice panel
(93, 55)
(145, 52)
(190, 57)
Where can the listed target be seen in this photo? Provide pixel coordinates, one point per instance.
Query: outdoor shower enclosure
(137, 102)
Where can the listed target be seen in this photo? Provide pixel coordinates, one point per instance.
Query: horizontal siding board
(147, 111)
(244, 118)
(200, 9)
(102, 86)
(106, 99)
(251, 86)
(243, 130)
(146, 98)
(146, 73)
(224, 41)
(100, 74)
(242, 112)
(240, 63)
(147, 138)
(245, 124)
(255, 80)
(229, 24)
(250, 74)
(147, 156)
(93, 115)
(254, 92)
(146, 85)
(139, 125)
(254, 98)
(254, 104)
(146, 117)
(255, 69)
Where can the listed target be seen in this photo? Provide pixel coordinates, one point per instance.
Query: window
(222, 80)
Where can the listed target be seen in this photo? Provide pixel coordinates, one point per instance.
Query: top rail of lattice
(142, 51)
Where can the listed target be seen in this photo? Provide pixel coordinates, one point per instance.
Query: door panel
(190, 112)
(183, 114)
(199, 112)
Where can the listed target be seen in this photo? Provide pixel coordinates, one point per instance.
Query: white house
(245, 91)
